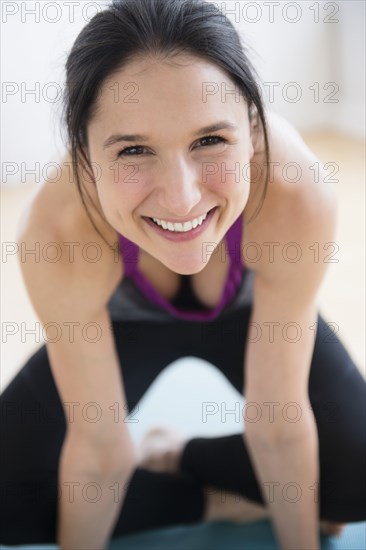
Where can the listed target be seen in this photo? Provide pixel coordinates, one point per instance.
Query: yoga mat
(219, 536)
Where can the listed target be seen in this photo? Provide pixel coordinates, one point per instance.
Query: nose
(179, 189)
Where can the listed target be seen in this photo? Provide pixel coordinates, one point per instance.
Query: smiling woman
(172, 180)
(168, 169)
(169, 172)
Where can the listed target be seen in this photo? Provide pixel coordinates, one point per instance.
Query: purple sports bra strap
(130, 255)
(233, 239)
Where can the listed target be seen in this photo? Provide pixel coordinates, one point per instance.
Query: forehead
(177, 89)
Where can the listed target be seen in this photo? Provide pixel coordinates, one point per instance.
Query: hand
(160, 449)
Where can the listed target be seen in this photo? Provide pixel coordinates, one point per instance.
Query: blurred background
(310, 57)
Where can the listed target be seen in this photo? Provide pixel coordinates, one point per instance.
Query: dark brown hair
(127, 30)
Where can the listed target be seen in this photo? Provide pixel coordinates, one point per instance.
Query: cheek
(125, 188)
(127, 178)
(107, 202)
(108, 194)
(118, 181)
(230, 179)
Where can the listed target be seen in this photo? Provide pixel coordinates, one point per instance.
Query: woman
(187, 179)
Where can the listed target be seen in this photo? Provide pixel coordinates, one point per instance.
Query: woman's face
(172, 171)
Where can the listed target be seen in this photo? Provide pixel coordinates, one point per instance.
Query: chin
(186, 266)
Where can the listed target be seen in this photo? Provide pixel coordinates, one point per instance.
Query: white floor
(192, 395)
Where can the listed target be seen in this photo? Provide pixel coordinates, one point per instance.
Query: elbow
(116, 462)
(266, 440)
(277, 436)
(106, 461)
(121, 464)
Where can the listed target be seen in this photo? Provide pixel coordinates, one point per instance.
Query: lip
(180, 236)
(181, 221)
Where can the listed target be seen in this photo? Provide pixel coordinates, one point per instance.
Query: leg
(32, 431)
(33, 428)
(337, 395)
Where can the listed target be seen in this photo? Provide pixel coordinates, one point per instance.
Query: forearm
(90, 499)
(288, 475)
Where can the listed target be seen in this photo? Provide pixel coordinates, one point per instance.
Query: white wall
(35, 47)
(319, 46)
(292, 46)
(296, 45)
(349, 67)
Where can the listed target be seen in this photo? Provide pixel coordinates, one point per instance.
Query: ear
(253, 129)
(251, 150)
(252, 137)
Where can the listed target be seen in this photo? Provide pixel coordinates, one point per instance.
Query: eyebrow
(116, 138)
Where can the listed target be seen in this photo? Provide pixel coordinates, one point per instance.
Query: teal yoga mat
(219, 536)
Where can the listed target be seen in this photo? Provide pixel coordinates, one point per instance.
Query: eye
(131, 151)
(127, 151)
(219, 138)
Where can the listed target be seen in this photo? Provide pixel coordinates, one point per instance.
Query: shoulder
(295, 173)
(72, 262)
(298, 217)
(58, 205)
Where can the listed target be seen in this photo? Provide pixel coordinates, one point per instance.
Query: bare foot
(221, 505)
(160, 449)
(331, 528)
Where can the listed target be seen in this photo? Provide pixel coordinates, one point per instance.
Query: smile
(181, 227)
(182, 232)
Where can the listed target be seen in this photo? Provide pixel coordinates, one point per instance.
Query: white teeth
(181, 227)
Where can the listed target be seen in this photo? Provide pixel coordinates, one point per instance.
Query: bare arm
(284, 451)
(91, 499)
(283, 445)
(97, 456)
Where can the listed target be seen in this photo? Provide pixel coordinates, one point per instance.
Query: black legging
(33, 429)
